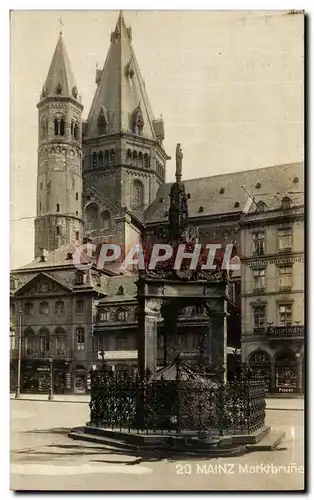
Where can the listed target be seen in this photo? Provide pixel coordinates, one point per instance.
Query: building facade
(272, 279)
(104, 180)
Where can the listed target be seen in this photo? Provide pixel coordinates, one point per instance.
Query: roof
(112, 288)
(60, 72)
(58, 257)
(218, 194)
(121, 90)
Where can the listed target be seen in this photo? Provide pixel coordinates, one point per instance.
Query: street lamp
(50, 393)
(18, 385)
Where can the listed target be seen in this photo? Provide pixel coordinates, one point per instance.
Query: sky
(228, 84)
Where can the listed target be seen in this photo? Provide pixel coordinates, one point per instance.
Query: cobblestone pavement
(44, 458)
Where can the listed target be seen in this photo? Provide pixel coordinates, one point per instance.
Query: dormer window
(79, 278)
(59, 89)
(120, 290)
(138, 122)
(102, 121)
(261, 206)
(285, 203)
(121, 315)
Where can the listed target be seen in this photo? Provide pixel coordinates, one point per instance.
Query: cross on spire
(61, 25)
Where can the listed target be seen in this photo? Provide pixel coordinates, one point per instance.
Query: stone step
(268, 442)
(107, 442)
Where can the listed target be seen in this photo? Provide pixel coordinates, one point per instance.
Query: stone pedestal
(148, 315)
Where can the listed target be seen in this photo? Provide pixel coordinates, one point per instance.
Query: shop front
(288, 373)
(35, 377)
(80, 380)
(260, 363)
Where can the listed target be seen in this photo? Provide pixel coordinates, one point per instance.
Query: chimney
(43, 255)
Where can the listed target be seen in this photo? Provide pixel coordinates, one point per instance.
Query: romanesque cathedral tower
(124, 160)
(59, 180)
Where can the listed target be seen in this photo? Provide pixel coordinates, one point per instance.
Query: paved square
(44, 458)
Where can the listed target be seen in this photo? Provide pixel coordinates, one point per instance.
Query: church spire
(121, 91)
(60, 80)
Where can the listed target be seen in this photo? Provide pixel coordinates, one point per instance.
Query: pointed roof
(60, 74)
(121, 89)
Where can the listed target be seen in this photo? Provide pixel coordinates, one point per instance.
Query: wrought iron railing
(194, 400)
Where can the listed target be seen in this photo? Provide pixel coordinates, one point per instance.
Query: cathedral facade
(104, 180)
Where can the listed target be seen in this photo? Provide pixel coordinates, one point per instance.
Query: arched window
(94, 160)
(76, 131)
(259, 362)
(120, 290)
(77, 234)
(92, 216)
(137, 196)
(106, 158)
(58, 207)
(62, 126)
(72, 128)
(58, 228)
(129, 156)
(59, 89)
(102, 123)
(79, 278)
(285, 203)
(261, 206)
(56, 126)
(121, 315)
(104, 316)
(44, 128)
(140, 159)
(100, 159)
(134, 158)
(106, 219)
(146, 162)
(76, 196)
(44, 308)
(59, 307)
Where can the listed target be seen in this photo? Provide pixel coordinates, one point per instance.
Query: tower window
(41, 185)
(58, 230)
(100, 159)
(76, 213)
(137, 199)
(58, 207)
(40, 206)
(77, 235)
(62, 126)
(56, 126)
(59, 89)
(76, 196)
(76, 130)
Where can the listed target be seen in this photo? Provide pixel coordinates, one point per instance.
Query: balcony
(281, 332)
(286, 288)
(40, 348)
(285, 250)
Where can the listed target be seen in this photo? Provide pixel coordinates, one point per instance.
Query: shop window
(286, 379)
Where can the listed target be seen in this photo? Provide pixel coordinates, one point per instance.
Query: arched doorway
(286, 372)
(260, 364)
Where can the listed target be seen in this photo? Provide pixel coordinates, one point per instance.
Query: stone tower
(59, 178)
(124, 159)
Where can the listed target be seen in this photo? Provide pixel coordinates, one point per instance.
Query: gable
(42, 284)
